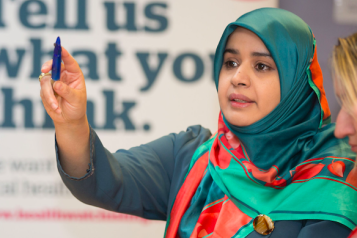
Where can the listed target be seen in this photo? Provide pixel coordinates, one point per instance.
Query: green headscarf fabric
(282, 138)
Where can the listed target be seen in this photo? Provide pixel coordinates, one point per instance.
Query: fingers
(47, 66)
(47, 94)
(48, 107)
(66, 92)
(69, 62)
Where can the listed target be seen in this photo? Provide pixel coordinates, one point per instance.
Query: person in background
(273, 168)
(344, 68)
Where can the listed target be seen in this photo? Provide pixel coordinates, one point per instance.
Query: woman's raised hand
(69, 106)
(68, 112)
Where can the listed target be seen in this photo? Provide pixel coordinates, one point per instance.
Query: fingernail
(54, 106)
(44, 66)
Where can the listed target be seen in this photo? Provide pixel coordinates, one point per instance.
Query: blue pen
(56, 63)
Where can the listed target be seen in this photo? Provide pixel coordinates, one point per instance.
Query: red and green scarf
(319, 188)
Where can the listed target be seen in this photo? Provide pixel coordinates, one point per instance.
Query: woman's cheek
(354, 112)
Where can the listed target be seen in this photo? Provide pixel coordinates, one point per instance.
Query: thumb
(66, 92)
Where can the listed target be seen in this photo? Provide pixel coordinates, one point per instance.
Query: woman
(344, 65)
(271, 169)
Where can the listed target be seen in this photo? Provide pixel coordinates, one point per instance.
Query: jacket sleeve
(306, 229)
(137, 181)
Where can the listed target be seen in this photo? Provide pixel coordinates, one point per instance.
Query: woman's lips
(353, 147)
(240, 101)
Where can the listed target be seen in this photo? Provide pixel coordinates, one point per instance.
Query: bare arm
(68, 112)
(73, 145)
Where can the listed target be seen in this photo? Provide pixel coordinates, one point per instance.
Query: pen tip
(58, 41)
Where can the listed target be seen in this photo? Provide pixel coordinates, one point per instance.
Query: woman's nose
(344, 124)
(241, 76)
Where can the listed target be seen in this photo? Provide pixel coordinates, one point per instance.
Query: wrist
(76, 127)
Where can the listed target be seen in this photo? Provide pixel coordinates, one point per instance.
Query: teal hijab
(283, 137)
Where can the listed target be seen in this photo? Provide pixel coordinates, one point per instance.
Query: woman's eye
(231, 64)
(262, 67)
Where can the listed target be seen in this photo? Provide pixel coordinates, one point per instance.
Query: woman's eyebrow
(236, 52)
(262, 54)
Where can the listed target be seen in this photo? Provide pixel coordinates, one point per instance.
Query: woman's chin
(239, 122)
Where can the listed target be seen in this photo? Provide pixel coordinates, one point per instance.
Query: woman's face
(249, 86)
(346, 124)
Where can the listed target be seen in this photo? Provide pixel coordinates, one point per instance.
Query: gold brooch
(263, 224)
